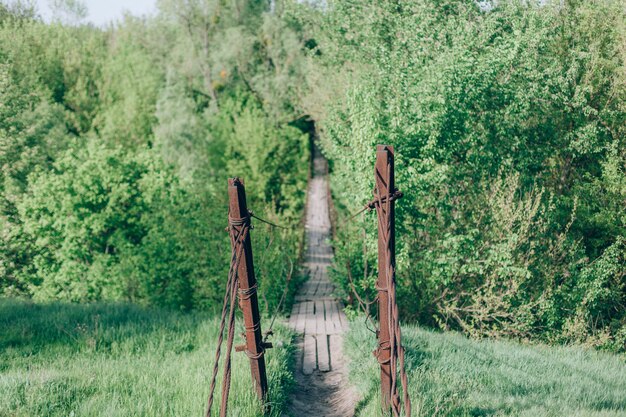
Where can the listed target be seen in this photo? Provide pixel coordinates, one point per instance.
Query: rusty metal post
(384, 177)
(248, 300)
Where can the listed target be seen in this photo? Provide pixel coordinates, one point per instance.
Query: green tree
(527, 98)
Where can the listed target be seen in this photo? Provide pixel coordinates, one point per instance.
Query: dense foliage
(509, 124)
(116, 143)
(508, 119)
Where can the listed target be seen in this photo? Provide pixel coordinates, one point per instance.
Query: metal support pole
(248, 300)
(384, 177)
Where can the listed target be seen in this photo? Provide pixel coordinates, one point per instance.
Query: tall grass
(121, 360)
(124, 360)
(450, 375)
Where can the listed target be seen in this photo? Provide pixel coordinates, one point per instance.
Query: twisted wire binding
(255, 355)
(383, 346)
(238, 221)
(253, 328)
(247, 293)
(376, 202)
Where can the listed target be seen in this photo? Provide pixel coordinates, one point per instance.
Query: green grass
(121, 360)
(124, 360)
(450, 375)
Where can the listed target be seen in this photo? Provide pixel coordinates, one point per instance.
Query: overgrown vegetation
(116, 143)
(65, 359)
(508, 118)
(509, 125)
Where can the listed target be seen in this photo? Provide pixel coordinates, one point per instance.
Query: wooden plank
(329, 328)
(307, 288)
(301, 317)
(309, 357)
(320, 326)
(334, 323)
(323, 355)
(327, 290)
(342, 317)
(310, 325)
(335, 346)
(320, 289)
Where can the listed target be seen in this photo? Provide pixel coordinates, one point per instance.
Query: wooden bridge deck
(316, 314)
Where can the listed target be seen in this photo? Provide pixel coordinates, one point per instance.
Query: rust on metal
(248, 300)
(384, 177)
(390, 352)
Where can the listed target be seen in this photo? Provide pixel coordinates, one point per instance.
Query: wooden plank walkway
(317, 314)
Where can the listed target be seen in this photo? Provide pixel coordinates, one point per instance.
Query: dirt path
(321, 389)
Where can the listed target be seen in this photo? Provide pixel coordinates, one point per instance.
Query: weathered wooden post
(384, 177)
(248, 300)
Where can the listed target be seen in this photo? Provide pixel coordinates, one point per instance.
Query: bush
(104, 224)
(117, 144)
(509, 141)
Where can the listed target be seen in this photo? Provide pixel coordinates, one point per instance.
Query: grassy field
(123, 360)
(120, 360)
(453, 376)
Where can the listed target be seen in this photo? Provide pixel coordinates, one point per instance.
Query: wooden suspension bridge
(317, 316)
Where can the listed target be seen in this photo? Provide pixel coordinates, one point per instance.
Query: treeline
(508, 117)
(509, 122)
(116, 143)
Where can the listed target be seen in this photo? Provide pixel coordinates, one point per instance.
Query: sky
(102, 12)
